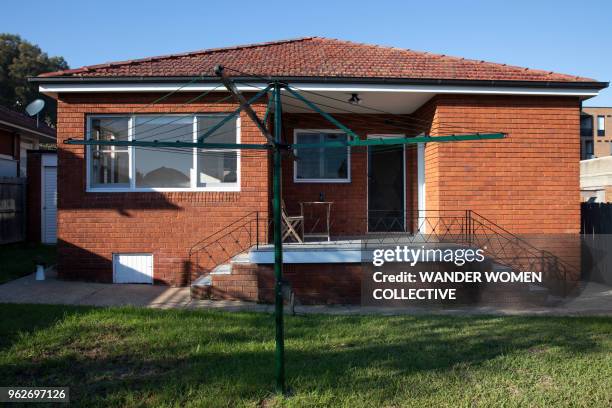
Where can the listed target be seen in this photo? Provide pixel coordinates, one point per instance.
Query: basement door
(133, 268)
(386, 187)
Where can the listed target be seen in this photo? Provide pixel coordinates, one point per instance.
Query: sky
(570, 37)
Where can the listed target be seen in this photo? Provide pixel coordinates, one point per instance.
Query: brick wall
(93, 226)
(528, 182)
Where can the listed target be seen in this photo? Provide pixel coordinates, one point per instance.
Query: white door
(133, 268)
(49, 205)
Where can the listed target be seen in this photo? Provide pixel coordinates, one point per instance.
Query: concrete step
(241, 258)
(224, 269)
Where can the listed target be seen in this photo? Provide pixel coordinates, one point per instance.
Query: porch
(236, 265)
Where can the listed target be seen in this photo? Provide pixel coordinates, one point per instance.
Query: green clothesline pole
(278, 246)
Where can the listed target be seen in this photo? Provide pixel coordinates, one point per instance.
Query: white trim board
(421, 190)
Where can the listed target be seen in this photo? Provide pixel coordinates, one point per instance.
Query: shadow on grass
(21, 320)
(110, 356)
(20, 259)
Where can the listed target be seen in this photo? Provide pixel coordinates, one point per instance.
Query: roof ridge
(86, 68)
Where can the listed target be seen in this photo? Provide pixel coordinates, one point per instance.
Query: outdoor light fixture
(354, 99)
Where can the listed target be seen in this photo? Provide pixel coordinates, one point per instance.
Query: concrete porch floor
(596, 299)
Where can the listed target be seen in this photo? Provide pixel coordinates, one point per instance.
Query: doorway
(386, 187)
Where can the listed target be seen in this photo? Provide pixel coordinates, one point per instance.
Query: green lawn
(142, 357)
(17, 260)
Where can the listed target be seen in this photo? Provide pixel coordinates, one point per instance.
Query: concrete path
(596, 299)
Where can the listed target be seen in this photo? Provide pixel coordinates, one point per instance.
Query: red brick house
(168, 205)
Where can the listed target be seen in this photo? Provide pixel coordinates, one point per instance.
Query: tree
(20, 59)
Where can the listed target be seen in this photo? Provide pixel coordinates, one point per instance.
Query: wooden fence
(596, 218)
(12, 209)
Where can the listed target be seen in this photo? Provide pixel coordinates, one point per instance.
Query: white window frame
(328, 180)
(217, 187)
(601, 125)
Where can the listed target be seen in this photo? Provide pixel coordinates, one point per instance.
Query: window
(217, 166)
(586, 125)
(601, 125)
(588, 147)
(116, 168)
(109, 164)
(321, 164)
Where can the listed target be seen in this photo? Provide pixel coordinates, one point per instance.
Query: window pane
(601, 123)
(335, 158)
(323, 162)
(586, 125)
(109, 164)
(163, 167)
(112, 128)
(309, 160)
(225, 134)
(217, 167)
(110, 169)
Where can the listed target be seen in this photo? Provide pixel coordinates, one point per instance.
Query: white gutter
(55, 88)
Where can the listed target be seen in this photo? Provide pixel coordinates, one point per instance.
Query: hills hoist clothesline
(277, 147)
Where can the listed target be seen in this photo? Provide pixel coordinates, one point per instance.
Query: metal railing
(461, 227)
(224, 244)
(517, 253)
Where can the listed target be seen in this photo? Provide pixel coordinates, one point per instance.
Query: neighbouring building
(18, 134)
(179, 216)
(596, 180)
(595, 132)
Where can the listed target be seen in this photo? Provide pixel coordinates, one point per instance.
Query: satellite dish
(35, 107)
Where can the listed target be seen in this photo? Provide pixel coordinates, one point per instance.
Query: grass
(142, 357)
(20, 259)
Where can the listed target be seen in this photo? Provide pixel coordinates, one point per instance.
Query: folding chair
(291, 225)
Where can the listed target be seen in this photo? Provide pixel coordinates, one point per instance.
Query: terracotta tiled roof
(318, 57)
(19, 119)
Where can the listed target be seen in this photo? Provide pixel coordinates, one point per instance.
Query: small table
(322, 234)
